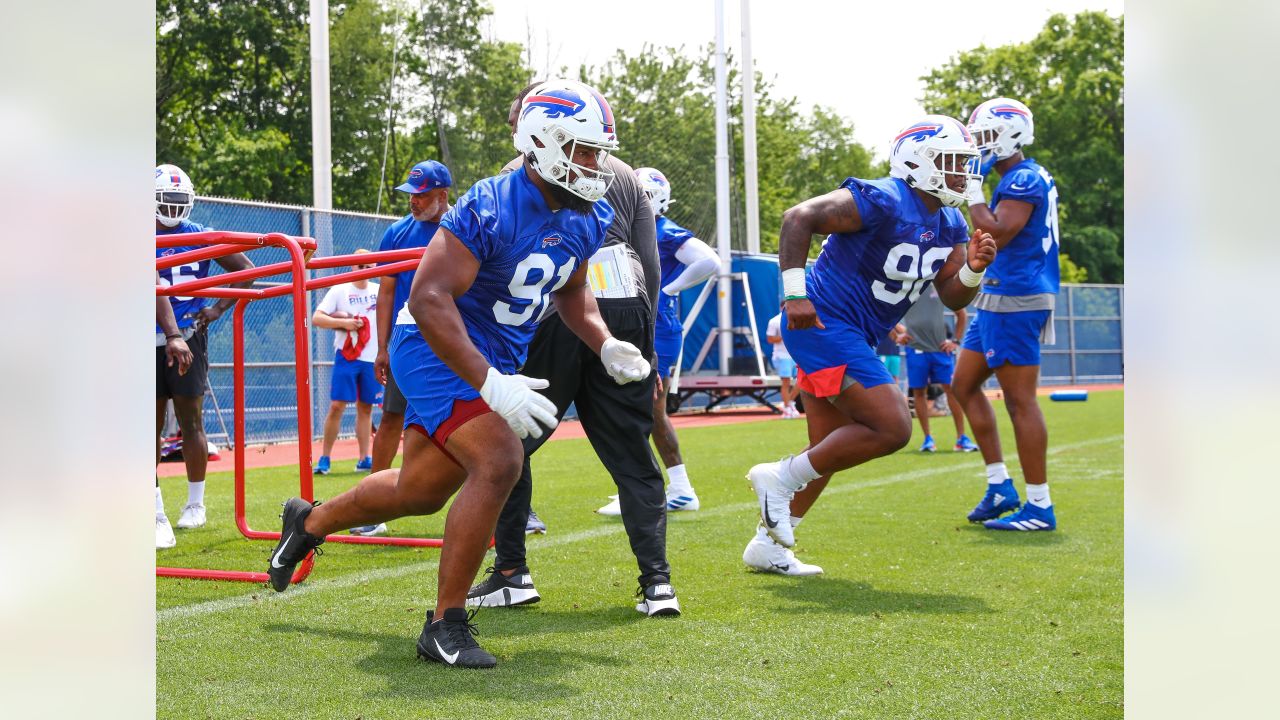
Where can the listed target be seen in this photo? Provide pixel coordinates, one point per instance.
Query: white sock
(195, 493)
(795, 521)
(997, 473)
(762, 533)
(679, 478)
(159, 503)
(1038, 495)
(797, 471)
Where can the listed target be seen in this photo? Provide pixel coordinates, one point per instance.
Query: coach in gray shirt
(931, 359)
(617, 418)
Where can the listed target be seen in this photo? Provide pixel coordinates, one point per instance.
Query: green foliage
(1069, 272)
(1072, 77)
(664, 102)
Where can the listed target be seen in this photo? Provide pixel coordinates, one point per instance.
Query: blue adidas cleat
(964, 444)
(999, 500)
(929, 445)
(322, 465)
(1029, 519)
(365, 463)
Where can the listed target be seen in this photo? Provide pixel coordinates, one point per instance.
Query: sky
(864, 59)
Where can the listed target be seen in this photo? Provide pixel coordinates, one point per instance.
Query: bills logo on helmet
(1007, 111)
(917, 133)
(551, 240)
(605, 112)
(658, 178)
(557, 102)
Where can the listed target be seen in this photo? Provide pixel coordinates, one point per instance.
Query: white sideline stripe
(266, 595)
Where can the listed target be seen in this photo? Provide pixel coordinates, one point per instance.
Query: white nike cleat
(775, 501)
(164, 533)
(765, 555)
(682, 500)
(192, 517)
(613, 509)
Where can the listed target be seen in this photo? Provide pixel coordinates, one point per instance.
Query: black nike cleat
(449, 641)
(498, 590)
(658, 597)
(294, 543)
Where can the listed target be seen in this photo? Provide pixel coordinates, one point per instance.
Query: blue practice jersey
(869, 279)
(1028, 265)
(184, 308)
(404, 234)
(526, 251)
(670, 237)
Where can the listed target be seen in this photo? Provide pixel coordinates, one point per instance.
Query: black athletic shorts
(170, 384)
(392, 399)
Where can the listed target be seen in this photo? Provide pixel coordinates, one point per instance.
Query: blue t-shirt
(670, 238)
(1028, 265)
(526, 251)
(869, 279)
(404, 234)
(184, 308)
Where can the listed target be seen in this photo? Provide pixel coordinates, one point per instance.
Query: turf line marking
(181, 612)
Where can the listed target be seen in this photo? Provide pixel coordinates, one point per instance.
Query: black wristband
(174, 335)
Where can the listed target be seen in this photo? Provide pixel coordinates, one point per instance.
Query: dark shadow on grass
(528, 673)
(978, 533)
(532, 619)
(825, 595)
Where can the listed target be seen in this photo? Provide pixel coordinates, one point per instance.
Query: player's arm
(962, 321)
(175, 346)
(446, 271)
(578, 309)
(386, 304)
(961, 275)
(700, 262)
(835, 212)
(579, 312)
(1004, 221)
(231, 263)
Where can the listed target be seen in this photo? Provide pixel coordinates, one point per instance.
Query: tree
(664, 103)
(1072, 77)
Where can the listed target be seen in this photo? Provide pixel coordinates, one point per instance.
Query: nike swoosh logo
(783, 568)
(275, 561)
(768, 520)
(447, 657)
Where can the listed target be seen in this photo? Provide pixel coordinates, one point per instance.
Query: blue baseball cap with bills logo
(427, 175)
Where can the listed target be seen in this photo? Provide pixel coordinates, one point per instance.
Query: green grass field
(919, 614)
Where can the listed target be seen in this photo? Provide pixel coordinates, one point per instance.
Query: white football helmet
(928, 152)
(656, 188)
(175, 195)
(1001, 127)
(555, 118)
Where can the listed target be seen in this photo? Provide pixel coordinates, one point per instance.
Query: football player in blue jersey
(513, 245)
(428, 189)
(887, 241)
(686, 261)
(1014, 314)
(175, 197)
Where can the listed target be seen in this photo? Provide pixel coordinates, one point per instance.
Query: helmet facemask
(554, 162)
(173, 206)
(956, 165)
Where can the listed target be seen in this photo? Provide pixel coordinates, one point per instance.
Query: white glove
(623, 361)
(975, 194)
(513, 397)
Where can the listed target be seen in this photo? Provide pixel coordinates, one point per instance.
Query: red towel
(352, 347)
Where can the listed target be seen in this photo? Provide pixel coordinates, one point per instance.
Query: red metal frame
(219, 244)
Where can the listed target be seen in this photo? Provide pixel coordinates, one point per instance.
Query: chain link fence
(270, 384)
